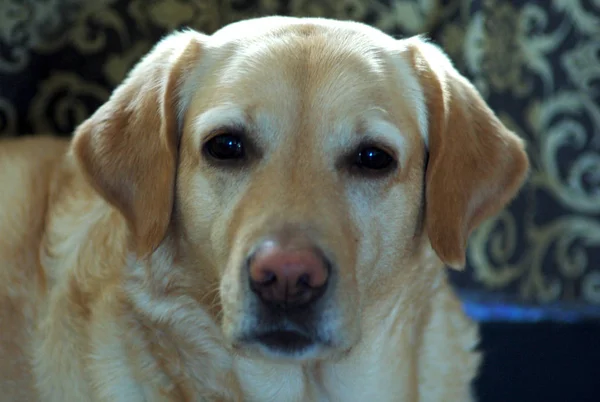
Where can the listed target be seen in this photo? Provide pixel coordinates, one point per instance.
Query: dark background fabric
(537, 63)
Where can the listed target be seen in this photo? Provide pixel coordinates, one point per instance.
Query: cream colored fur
(120, 251)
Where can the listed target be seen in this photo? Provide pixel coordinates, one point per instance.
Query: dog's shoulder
(26, 166)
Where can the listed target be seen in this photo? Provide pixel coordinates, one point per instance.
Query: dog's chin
(284, 345)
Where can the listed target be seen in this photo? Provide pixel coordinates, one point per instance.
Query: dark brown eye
(373, 158)
(225, 147)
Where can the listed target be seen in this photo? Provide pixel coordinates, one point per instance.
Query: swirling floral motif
(535, 62)
(503, 44)
(64, 101)
(557, 123)
(36, 25)
(509, 50)
(582, 64)
(586, 21)
(236, 10)
(410, 17)
(167, 15)
(570, 257)
(561, 120)
(492, 50)
(346, 9)
(90, 31)
(407, 16)
(537, 46)
(501, 234)
(503, 58)
(14, 16)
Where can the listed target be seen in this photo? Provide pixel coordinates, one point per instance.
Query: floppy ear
(127, 149)
(476, 165)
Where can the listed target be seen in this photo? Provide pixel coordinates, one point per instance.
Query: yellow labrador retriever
(263, 214)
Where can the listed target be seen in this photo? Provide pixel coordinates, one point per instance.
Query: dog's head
(300, 166)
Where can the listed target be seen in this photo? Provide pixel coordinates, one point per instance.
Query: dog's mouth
(284, 344)
(285, 341)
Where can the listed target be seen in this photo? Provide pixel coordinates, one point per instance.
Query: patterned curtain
(536, 62)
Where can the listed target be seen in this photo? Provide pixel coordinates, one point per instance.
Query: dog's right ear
(476, 164)
(128, 148)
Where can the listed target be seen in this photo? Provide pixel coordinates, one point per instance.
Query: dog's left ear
(476, 165)
(128, 148)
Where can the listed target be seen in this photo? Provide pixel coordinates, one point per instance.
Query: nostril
(266, 278)
(304, 281)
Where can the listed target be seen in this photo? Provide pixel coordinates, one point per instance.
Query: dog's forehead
(320, 73)
(311, 76)
(334, 69)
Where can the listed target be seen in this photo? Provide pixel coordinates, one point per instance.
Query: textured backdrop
(536, 62)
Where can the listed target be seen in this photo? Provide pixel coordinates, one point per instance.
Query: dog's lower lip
(285, 340)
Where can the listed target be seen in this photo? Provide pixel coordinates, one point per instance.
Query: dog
(262, 214)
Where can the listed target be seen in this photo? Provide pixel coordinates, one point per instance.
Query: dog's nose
(288, 278)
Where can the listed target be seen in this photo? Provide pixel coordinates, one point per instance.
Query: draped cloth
(537, 63)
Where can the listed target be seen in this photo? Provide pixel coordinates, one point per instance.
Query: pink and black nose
(287, 278)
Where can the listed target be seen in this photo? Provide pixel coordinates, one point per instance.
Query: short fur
(121, 256)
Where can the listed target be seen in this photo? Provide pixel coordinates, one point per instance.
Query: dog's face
(301, 165)
(287, 158)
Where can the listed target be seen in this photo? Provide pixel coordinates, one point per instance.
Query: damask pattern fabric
(536, 62)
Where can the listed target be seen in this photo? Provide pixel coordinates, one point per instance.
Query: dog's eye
(373, 158)
(225, 147)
